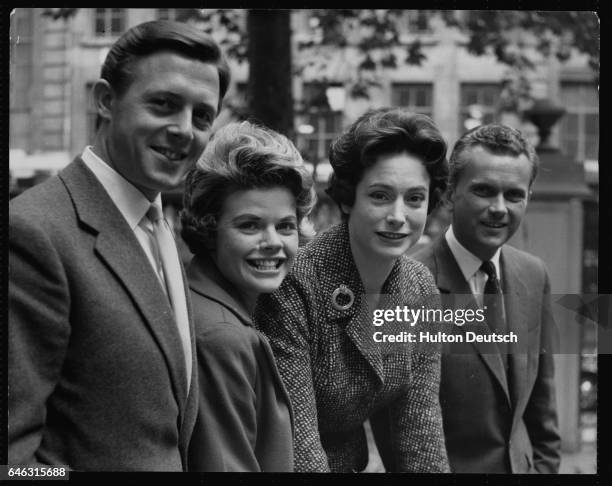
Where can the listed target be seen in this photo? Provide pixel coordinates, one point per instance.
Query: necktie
(174, 280)
(492, 299)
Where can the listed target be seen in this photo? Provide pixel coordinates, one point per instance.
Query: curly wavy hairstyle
(380, 132)
(241, 156)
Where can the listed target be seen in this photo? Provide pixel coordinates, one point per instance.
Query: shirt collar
(132, 204)
(467, 261)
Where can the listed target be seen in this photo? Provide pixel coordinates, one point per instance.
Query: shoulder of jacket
(416, 271)
(524, 259)
(41, 201)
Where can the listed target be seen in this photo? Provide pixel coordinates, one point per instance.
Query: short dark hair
(161, 35)
(241, 156)
(380, 132)
(496, 139)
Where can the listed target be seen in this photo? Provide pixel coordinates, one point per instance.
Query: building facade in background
(54, 63)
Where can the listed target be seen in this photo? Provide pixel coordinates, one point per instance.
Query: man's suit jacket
(96, 368)
(490, 425)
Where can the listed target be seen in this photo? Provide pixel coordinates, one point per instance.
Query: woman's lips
(391, 236)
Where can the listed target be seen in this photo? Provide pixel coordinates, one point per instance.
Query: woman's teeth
(392, 236)
(267, 264)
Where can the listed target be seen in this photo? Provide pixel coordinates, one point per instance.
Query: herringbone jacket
(336, 374)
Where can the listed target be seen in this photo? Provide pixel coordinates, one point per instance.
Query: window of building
(416, 21)
(478, 104)
(192, 16)
(414, 97)
(318, 123)
(579, 127)
(166, 13)
(109, 22)
(21, 31)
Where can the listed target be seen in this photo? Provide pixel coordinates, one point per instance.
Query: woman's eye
(378, 196)
(248, 226)
(287, 227)
(416, 198)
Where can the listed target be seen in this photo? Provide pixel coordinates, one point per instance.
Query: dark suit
(495, 424)
(96, 368)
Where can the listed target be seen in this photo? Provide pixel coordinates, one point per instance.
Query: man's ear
(103, 96)
(346, 209)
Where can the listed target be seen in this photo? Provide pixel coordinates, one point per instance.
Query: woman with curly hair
(390, 170)
(244, 203)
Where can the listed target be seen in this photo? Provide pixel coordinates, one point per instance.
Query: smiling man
(498, 403)
(102, 371)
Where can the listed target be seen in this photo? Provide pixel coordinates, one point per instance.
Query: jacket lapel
(451, 281)
(118, 247)
(517, 305)
(206, 280)
(356, 320)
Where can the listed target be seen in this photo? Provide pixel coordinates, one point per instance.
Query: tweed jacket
(96, 371)
(338, 376)
(244, 419)
(498, 422)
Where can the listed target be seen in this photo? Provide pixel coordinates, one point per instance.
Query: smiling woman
(389, 171)
(244, 202)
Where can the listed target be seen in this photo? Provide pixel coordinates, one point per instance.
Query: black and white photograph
(303, 241)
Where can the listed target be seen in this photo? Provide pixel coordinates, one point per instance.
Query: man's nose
(182, 125)
(498, 205)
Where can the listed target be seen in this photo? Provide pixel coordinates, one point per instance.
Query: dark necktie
(493, 300)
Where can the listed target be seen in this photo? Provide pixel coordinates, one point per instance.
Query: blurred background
(310, 73)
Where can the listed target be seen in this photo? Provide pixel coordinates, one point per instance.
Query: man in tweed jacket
(99, 377)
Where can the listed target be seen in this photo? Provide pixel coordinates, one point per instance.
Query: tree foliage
(512, 36)
(382, 39)
(502, 32)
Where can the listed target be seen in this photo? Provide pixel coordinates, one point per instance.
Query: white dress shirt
(470, 265)
(132, 204)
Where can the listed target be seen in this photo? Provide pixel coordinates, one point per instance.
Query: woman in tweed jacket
(389, 167)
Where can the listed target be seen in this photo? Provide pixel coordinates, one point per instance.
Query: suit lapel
(451, 281)
(517, 304)
(118, 247)
(356, 320)
(206, 280)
